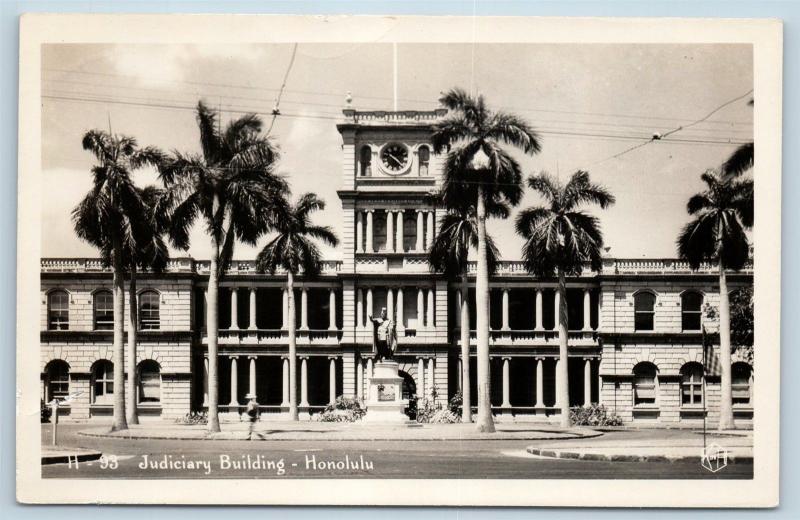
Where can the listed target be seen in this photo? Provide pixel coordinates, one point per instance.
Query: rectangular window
(103, 311)
(644, 320)
(150, 387)
(690, 320)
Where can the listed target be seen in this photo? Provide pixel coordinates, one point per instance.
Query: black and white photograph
(384, 259)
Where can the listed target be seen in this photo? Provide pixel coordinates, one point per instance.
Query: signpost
(54, 406)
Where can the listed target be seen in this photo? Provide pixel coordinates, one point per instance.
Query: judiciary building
(635, 341)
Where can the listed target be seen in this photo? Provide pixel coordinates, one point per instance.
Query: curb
(490, 437)
(65, 459)
(557, 454)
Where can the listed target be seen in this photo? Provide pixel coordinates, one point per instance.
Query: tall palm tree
(107, 218)
(559, 240)
(449, 255)
(480, 171)
(148, 253)
(722, 213)
(232, 187)
(293, 249)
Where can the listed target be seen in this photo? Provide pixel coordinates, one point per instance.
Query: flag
(711, 363)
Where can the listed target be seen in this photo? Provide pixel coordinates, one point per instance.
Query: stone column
(304, 309)
(252, 380)
(587, 310)
(420, 246)
(506, 383)
(399, 312)
(360, 379)
(304, 382)
(285, 309)
(587, 382)
(460, 376)
(390, 231)
(431, 377)
(389, 303)
(558, 382)
(400, 248)
(369, 377)
(369, 247)
(205, 381)
(285, 386)
(429, 231)
(234, 382)
(421, 377)
(539, 383)
(360, 308)
(332, 309)
(370, 310)
(505, 310)
(252, 325)
(420, 309)
(234, 309)
(539, 325)
(431, 320)
(556, 305)
(359, 231)
(332, 380)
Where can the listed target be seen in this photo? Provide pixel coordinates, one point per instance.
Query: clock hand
(396, 160)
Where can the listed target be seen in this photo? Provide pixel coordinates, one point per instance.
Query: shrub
(193, 418)
(594, 415)
(445, 417)
(46, 411)
(456, 402)
(344, 409)
(429, 411)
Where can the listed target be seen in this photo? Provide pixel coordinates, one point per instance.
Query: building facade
(635, 329)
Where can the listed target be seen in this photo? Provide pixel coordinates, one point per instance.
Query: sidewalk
(63, 455)
(299, 431)
(739, 448)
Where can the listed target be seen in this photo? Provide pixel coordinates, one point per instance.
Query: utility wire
(276, 110)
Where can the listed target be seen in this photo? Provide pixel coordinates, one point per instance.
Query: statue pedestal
(385, 401)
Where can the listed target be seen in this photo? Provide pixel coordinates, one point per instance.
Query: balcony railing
(277, 336)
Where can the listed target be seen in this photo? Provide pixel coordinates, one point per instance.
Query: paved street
(363, 459)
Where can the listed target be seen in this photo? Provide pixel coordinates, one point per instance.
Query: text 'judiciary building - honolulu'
(635, 341)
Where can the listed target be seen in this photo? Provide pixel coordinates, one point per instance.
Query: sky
(590, 104)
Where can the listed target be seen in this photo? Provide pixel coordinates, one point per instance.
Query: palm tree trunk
(485, 421)
(726, 395)
(292, 325)
(466, 398)
(133, 322)
(562, 377)
(118, 421)
(212, 327)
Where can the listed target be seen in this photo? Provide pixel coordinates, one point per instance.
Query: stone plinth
(385, 401)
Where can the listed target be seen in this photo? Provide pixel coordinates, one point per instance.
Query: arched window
(103, 310)
(365, 158)
(149, 382)
(58, 310)
(149, 318)
(692, 384)
(644, 304)
(644, 384)
(741, 374)
(56, 380)
(691, 305)
(424, 156)
(102, 381)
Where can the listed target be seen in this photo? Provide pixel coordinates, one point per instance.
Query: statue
(384, 336)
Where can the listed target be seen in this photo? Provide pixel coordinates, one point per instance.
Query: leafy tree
(110, 217)
(293, 249)
(233, 189)
(722, 213)
(560, 240)
(479, 171)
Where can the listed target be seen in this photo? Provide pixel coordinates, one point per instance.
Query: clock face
(394, 157)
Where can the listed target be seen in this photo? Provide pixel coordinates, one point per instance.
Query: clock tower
(389, 172)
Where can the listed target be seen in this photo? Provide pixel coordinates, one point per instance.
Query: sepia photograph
(375, 259)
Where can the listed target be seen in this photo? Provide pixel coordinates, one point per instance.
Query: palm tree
(721, 214)
(559, 240)
(480, 171)
(293, 249)
(233, 188)
(149, 253)
(449, 255)
(740, 160)
(107, 219)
